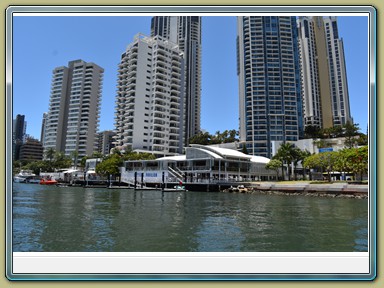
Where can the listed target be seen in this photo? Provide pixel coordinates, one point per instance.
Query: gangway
(178, 175)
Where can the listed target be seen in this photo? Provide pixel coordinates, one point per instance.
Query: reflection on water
(77, 219)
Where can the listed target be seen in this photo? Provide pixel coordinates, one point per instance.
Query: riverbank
(332, 190)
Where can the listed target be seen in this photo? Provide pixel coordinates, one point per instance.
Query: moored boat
(44, 181)
(33, 180)
(177, 188)
(23, 176)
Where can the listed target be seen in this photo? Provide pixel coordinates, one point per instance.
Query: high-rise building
(338, 73)
(19, 128)
(32, 149)
(43, 124)
(74, 108)
(324, 80)
(186, 32)
(19, 134)
(150, 98)
(105, 142)
(270, 100)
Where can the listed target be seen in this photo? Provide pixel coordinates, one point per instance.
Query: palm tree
(286, 155)
(350, 131)
(75, 157)
(304, 155)
(297, 156)
(50, 154)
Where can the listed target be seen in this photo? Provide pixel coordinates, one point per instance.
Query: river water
(76, 219)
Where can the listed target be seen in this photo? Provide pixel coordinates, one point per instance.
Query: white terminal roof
(218, 153)
(260, 159)
(173, 158)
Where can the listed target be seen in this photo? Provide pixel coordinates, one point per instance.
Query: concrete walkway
(306, 187)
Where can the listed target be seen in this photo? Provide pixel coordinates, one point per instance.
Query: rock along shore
(340, 190)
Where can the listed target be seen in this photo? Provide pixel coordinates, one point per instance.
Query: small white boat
(23, 176)
(177, 188)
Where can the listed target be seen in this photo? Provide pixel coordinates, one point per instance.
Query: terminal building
(200, 165)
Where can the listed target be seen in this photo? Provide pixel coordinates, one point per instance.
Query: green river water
(76, 219)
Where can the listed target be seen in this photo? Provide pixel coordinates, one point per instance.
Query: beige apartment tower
(74, 108)
(323, 73)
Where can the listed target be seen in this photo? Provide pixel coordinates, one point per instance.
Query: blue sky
(42, 43)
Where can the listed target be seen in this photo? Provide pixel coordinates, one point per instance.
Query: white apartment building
(186, 32)
(74, 108)
(150, 97)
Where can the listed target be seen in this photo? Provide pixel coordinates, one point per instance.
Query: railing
(176, 174)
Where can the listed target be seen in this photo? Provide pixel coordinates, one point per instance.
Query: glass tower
(270, 100)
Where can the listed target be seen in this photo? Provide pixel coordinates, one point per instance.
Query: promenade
(344, 190)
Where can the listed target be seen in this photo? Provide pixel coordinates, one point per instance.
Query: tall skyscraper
(324, 79)
(19, 135)
(74, 108)
(150, 98)
(270, 100)
(19, 128)
(186, 32)
(43, 125)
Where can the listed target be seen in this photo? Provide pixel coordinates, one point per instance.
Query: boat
(177, 188)
(23, 176)
(44, 181)
(33, 180)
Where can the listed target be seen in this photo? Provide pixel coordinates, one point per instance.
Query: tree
(97, 155)
(244, 149)
(337, 131)
(83, 161)
(130, 155)
(275, 165)
(204, 138)
(75, 157)
(36, 166)
(110, 165)
(342, 162)
(350, 133)
(362, 140)
(61, 160)
(285, 154)
(324, 161)
(304, 155)
(327, 132)
(312, 132)
(297, 156)
(50, 154)
(328, 160)
(201, 138)
(354, 160)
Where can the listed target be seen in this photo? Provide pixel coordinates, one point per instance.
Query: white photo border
(370, 258)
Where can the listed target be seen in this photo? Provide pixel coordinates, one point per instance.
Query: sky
(42, 43)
